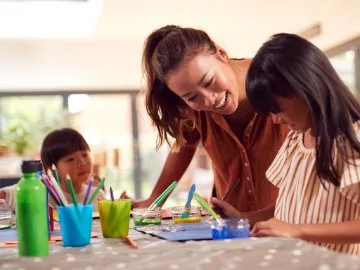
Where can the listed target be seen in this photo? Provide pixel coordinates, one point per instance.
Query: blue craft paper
(185, 235)
(11, 235)
(181, 232)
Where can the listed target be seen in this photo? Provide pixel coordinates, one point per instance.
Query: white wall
(68, 65)
(111, 57)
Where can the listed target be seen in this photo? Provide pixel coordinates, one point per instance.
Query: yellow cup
(114, 217)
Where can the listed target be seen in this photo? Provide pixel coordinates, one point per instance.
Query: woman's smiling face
(206, 82)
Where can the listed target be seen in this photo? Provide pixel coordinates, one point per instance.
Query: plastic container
(194, 214)
(143, 216)
(114, 217)
(31, 212)
(230, 228)
(5, 219)
(75, 224)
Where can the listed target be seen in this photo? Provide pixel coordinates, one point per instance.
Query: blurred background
(77, 63)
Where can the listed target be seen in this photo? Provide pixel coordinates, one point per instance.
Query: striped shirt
(303, 199)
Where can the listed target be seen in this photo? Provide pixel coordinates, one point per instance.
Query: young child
(69, 152)
(317, 168)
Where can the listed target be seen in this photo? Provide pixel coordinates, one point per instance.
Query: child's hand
(227, 209)
(274, 227)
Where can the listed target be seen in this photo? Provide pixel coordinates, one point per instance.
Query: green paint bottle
(31, 212)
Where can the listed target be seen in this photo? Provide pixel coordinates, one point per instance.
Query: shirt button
(250, 191)
(245, 164)
(247, 135)
(248, 178)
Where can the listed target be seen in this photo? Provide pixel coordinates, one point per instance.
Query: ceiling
(97, 44)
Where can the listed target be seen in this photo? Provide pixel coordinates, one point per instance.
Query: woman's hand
(135, 204)
(274, 227)
(227, 209)
(2, 194)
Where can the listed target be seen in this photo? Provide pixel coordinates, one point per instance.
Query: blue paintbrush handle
(185, 214)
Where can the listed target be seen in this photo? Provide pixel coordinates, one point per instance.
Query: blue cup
(75, 224)
(230, 228)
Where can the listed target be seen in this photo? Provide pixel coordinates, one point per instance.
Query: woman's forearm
(231, 212)
(174, 168)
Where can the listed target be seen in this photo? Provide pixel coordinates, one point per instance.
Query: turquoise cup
(75, 224)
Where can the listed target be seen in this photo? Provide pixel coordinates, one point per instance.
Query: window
(117, 128)
(345, 58)
(344, 64)
(24, 121)
(105, 122)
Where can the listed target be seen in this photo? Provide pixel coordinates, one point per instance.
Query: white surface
(109, 56)
(10, 166)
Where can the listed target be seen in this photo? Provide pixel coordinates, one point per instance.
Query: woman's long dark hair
(290, 66)
(165, 49)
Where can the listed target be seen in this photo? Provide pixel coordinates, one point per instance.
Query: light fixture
(311, 31)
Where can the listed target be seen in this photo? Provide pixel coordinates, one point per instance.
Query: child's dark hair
(290, 66)
(60, 143)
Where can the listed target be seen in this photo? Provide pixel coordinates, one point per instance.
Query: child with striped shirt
(317, 168)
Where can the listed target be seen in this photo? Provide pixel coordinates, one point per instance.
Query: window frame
(353, 44)
(134, 119)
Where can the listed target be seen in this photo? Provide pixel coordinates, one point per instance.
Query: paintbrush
(185, 214)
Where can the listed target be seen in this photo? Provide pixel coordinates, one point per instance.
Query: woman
(196, 94)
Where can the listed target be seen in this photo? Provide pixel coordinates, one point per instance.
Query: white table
(154, 253)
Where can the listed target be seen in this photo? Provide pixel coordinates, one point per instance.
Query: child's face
(294, 113)
(77, 165)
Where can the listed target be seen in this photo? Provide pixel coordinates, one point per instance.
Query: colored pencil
(97, 190)
(130, 242)
(88, 192)
(55, 173)
(111, 194)
(71, 189)
(57, 188)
